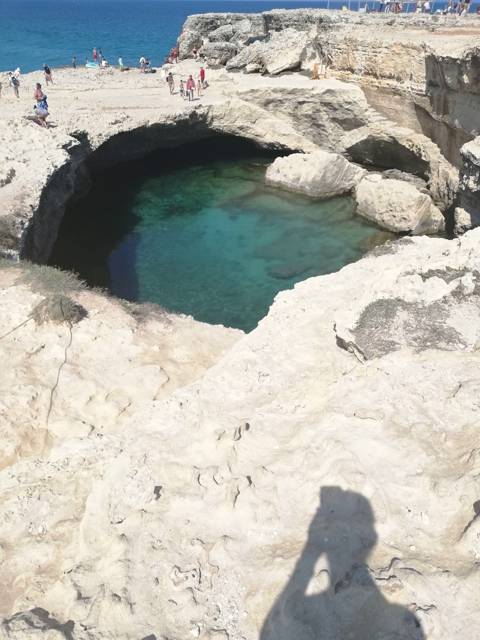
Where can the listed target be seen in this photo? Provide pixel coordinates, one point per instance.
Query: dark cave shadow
(351, 607)
(96, 237)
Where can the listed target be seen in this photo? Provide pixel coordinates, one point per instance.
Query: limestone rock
(396, 174)
(218, 53)
(325, 113)
(282, 51)
(185, 517)
(319, 174)
(467, 215)
(397, 206)
(239, 28)
(388, 146)
(463, 221)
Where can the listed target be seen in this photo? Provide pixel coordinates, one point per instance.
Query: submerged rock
(397, 206)
(319, 174)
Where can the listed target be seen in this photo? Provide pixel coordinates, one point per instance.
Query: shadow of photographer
(346, 604)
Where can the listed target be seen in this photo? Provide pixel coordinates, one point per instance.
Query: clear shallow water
(197, 231)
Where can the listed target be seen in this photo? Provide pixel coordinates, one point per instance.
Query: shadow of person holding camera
(338, 600)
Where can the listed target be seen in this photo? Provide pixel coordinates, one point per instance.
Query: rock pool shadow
(93, 232)
(348, 604)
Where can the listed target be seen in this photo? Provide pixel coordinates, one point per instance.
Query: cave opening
(195, 229)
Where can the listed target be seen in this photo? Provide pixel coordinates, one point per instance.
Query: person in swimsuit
(48, 74)
(41, 108)
(95, 54)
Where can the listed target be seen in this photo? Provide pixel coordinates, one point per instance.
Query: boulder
(319, 174)
(218, 53)
(467, 214)
(397, 206)
(462, 221)
(222, 34)
(283, 51)
(388, 146)
(241, 29)
(396, 174)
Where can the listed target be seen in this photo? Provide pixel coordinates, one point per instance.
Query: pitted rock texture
(302, 472)
(97, 358)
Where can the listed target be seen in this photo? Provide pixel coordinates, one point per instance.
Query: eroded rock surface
(418, 70)
(96, 359)
(331, 453)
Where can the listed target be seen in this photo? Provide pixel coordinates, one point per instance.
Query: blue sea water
(34, 32)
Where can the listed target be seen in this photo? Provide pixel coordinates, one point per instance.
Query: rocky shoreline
(160, 478)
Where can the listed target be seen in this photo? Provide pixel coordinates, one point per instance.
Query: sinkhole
(196, 230)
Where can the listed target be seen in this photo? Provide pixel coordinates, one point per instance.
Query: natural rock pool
(196, 230)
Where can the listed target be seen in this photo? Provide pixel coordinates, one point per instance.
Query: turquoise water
(197, 231)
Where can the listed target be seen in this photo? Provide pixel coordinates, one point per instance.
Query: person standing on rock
(48, 74)
(171, 83)
(15, 84)
(202, 77)
(190, 88)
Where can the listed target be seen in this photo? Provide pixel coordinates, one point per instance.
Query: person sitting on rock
(41, 108)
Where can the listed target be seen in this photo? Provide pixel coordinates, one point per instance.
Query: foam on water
(197, 231)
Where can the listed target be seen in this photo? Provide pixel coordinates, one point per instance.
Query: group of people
(40, 107)
(459, 7)
(188, 87)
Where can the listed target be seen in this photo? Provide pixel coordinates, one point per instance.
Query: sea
(38, 32)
